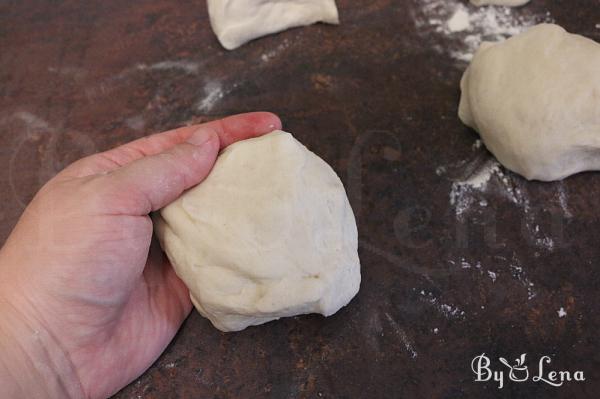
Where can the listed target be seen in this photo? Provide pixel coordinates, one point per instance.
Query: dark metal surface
(376, 97)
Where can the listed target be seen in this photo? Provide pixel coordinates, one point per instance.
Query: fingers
(228, 130)
(149, 183)
(246, 126)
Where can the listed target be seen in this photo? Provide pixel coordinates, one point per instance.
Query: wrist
(32, 363)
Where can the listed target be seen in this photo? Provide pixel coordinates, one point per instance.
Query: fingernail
(200, 137)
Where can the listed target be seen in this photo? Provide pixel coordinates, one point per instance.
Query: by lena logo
(519, 371)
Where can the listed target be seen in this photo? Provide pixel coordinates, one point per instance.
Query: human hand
(87, 303)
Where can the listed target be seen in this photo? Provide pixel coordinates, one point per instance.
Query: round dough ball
(535, 100)
(270, 233)
(508, 3)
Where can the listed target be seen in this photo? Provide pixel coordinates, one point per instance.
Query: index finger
(230, 129)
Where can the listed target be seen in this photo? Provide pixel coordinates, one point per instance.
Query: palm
(136, 326)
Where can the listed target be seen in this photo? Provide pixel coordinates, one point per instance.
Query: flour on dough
(270, 233)
(535, 100)
(236, 22)
(508, 3)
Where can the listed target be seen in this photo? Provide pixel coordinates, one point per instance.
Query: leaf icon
(521, 360)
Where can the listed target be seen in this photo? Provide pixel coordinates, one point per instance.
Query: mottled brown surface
(375, 97)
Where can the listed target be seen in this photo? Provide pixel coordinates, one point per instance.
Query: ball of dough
(270, 233)
(508, 3)
(535, 100)
(236, 22)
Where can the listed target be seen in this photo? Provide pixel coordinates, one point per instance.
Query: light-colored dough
(270, 233)
(535, 100)
(508, 3)
(236, 22)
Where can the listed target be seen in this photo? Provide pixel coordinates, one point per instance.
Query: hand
(87, 302)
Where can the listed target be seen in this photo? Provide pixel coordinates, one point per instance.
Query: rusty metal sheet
(452, 268)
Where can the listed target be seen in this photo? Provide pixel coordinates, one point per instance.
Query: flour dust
(463, 27)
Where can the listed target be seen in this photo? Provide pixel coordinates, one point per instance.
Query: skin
(88, 301)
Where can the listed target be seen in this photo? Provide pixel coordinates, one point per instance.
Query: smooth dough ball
(508, 3)
(270, 233)
(236, 22)
(535, 100)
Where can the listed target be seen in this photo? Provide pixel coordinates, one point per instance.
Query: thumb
(154, 181)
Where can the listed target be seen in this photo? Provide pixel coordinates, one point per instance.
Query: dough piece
(269, 234)
(236, 22)
(535, 100)
(508, 3)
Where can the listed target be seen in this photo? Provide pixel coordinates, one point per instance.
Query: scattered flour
(488, 178)
(402, 335)
(182, 65)
(562, 312)
(73, 72)
(454, 20)
(481, 177)
(451, 311)
(136, 122)
(514, 265)
(108, 85)
(448, 311)
(461, 197)
(516, 269)
(268, 56)
(50, 162)
(563, 200)
(540, 240)
(464, 264)
(32, 121)
(213, 93)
